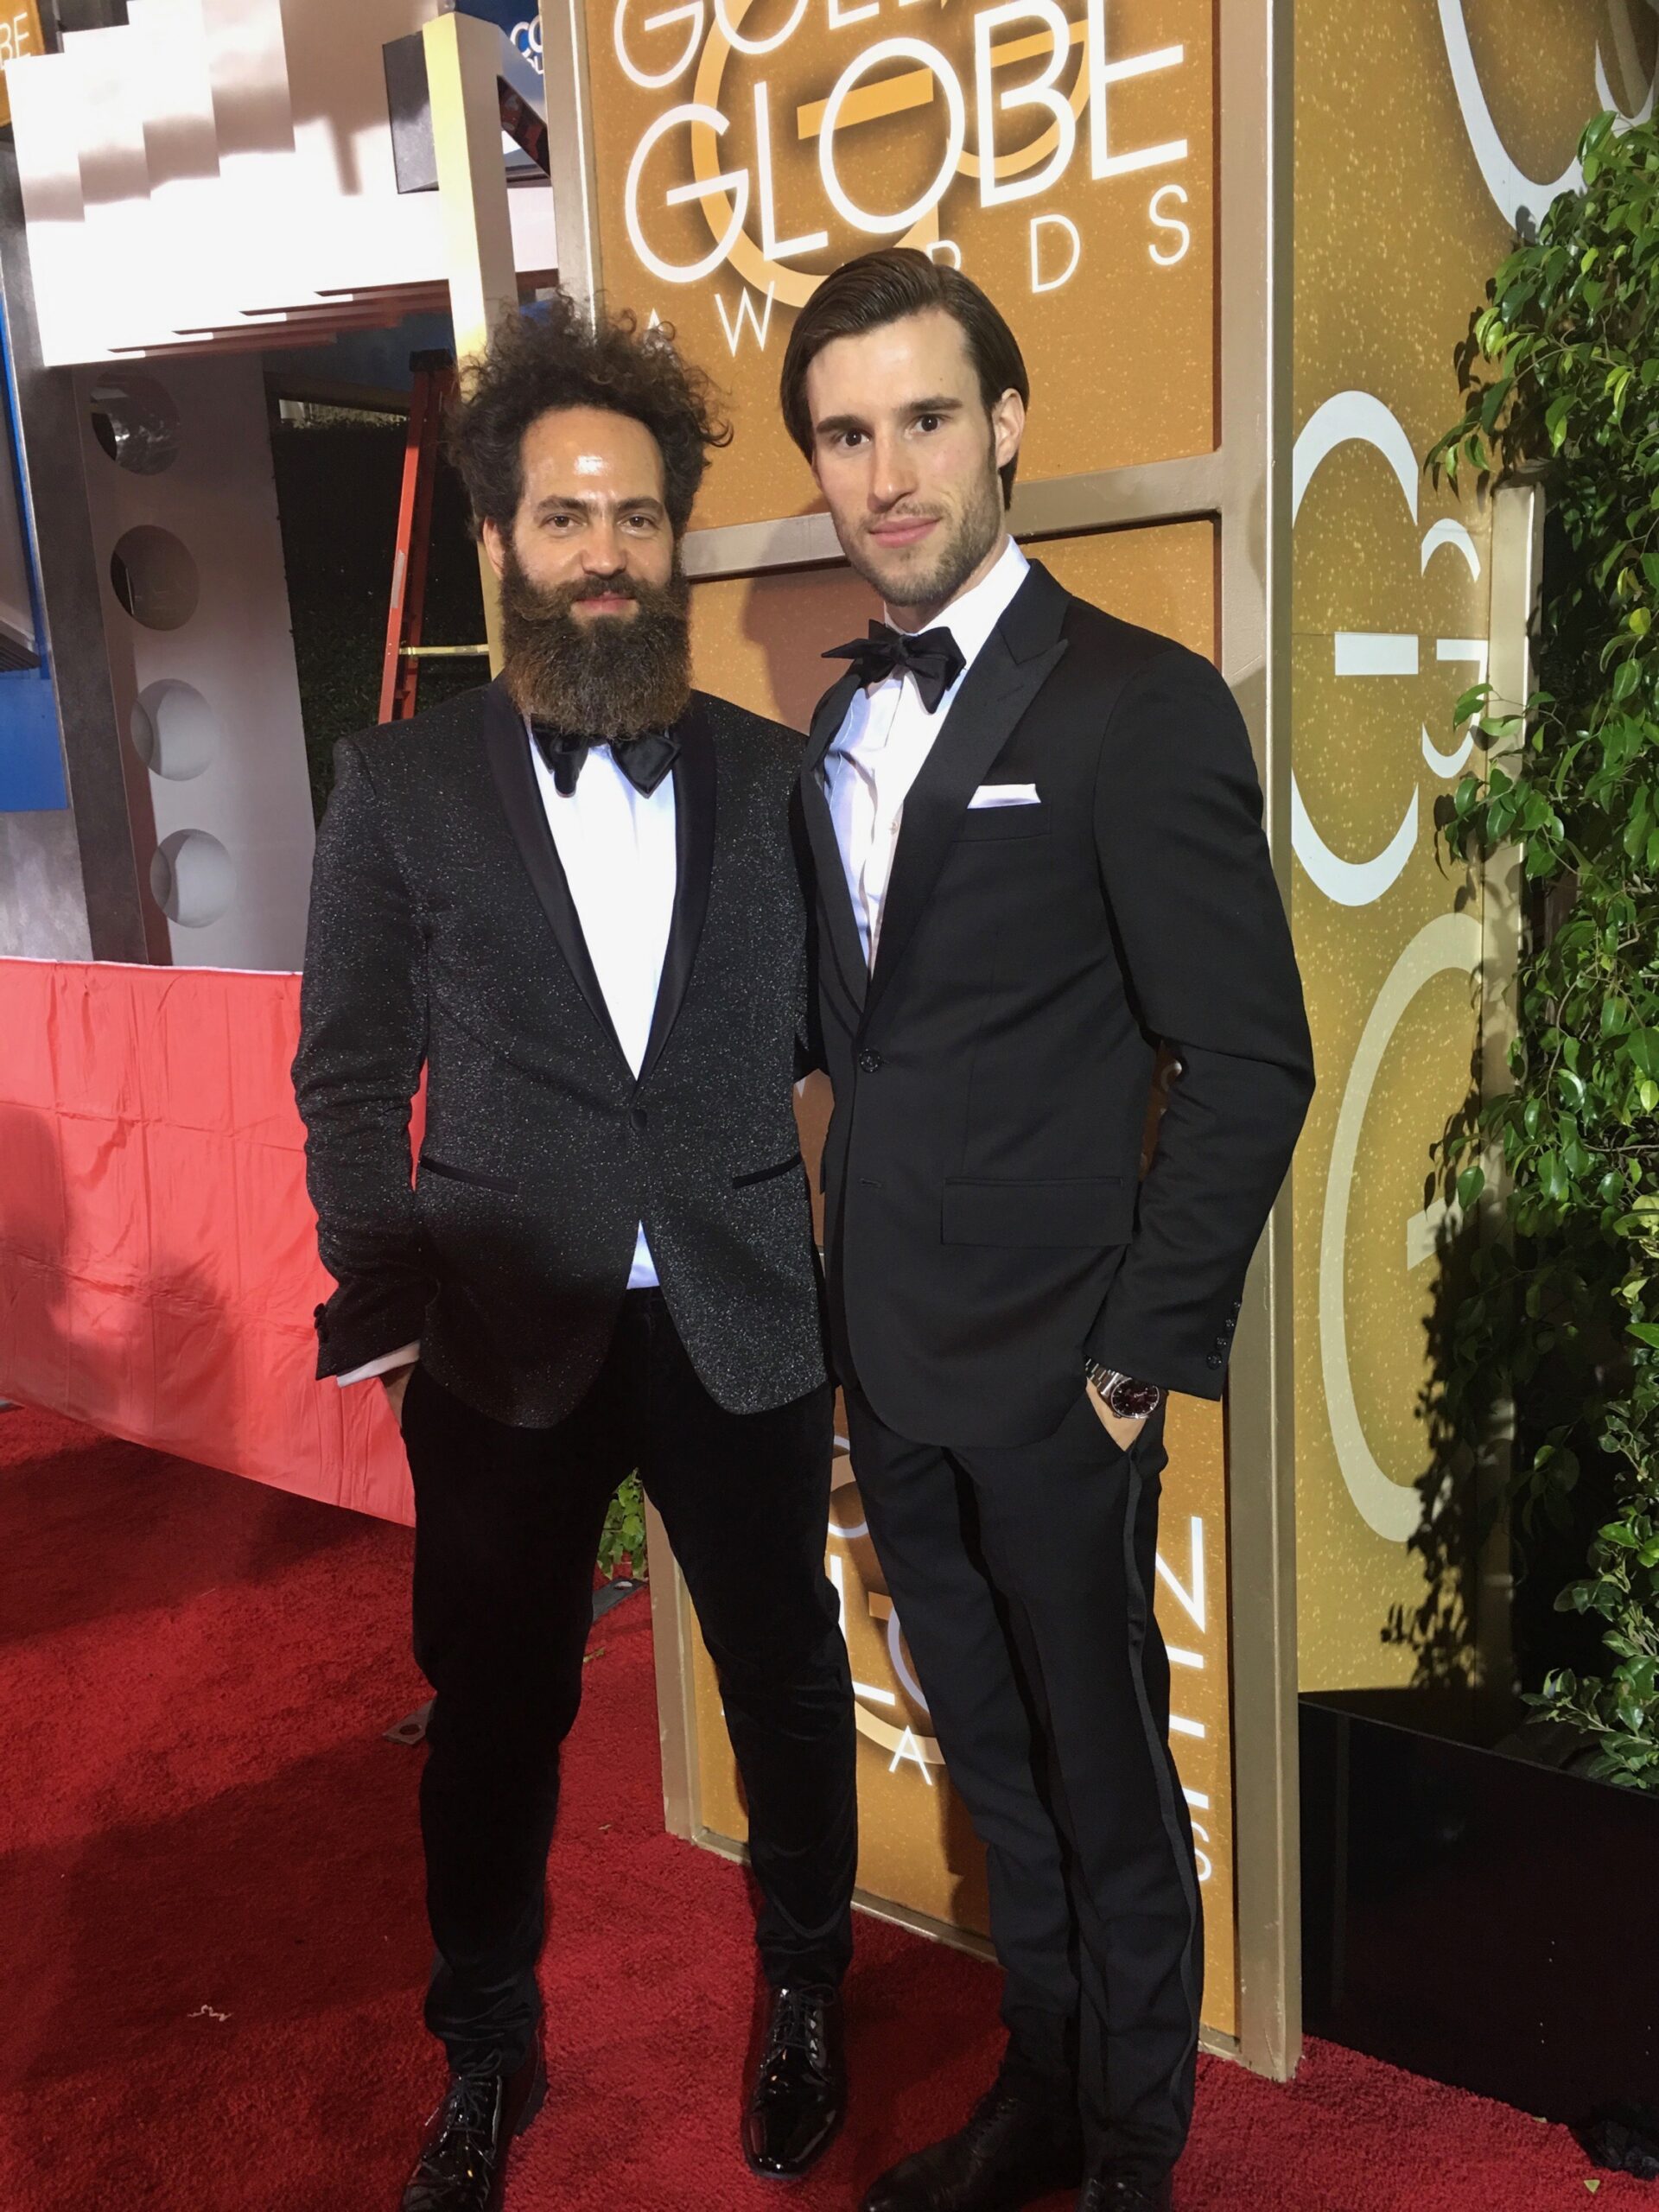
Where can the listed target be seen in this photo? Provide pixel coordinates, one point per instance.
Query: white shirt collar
(971, 617)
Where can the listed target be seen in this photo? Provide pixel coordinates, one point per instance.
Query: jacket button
(637, 1116)
(1212, 1359)
(869, 1062)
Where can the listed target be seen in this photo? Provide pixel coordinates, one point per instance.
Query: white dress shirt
(617, 848)
(886, 737)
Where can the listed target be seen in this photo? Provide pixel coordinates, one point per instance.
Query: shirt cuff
(406, 1356)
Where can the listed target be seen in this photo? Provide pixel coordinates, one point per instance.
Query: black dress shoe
(799, 2098)
(463, 2162)
(1014, 2151)
(1120, 2192)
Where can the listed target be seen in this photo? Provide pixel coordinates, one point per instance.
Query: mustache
(550, 603)
(618, 587)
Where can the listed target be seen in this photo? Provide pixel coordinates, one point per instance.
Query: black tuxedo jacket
(987, 1224)
(442, 934)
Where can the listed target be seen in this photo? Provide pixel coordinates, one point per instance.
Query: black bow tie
(932, 657)
(644, 761)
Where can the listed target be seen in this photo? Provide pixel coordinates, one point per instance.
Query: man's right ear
(495, 545)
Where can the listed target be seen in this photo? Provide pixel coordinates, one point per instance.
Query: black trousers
(1023, 1580)
(507, 1528)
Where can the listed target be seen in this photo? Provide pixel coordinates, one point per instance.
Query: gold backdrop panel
(1420, 130)
(757, 640)
(746, 149)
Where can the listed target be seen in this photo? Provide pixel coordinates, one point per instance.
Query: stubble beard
(607, 677)
(975, 532)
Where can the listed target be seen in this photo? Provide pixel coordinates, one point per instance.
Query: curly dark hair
(551, 356)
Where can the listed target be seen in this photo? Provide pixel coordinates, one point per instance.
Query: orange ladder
(433, 383)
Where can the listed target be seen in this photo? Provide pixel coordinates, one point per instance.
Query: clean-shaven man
(1037, 845)
(572, 898)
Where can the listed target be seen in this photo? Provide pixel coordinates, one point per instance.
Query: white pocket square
(1005, 794)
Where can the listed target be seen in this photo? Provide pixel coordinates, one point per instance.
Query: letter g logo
(1515, 192)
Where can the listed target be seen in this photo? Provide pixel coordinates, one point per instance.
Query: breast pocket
(987, 825)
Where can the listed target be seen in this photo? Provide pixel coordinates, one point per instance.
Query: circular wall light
(154, 577)
(191, 878)
(175, 732)
(134, 420)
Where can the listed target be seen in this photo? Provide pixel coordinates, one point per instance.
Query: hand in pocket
(396, 1384)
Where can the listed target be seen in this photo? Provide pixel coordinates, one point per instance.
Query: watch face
(1133, 1401)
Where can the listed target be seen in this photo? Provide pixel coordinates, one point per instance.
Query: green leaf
(1491, 406)
(1471, 703)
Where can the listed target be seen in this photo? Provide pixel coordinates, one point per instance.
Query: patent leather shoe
(1122, 2192)
(463, 2162)
(1014, 2151)
(799, 2097)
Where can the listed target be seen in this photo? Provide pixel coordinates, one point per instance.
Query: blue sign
(31, 755)
(31, 752)
(521, 22)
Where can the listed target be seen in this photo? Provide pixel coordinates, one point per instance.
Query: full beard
(948, 566)
(609, 678)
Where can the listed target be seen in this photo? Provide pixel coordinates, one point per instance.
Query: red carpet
(210, 1894)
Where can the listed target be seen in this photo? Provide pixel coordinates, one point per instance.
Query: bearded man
(570, 897)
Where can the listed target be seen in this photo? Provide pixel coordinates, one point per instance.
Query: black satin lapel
(507, 743)
(835, 900)
(827, 719)
(994, 694)
(695, 776)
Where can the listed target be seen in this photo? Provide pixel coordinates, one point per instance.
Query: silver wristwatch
(1122, 1394)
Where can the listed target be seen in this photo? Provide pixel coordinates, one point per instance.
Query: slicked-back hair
(883, 287)
(551, 357)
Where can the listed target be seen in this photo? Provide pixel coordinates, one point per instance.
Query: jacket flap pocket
(427, 1166)
(789, 1166)
(1098, 1212)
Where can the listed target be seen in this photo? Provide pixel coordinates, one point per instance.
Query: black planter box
(1473, 1916)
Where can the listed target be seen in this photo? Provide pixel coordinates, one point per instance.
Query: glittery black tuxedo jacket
(987, 1221)
(443, 935)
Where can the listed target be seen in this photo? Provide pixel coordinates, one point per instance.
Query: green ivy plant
(1559, 376)
(622, 1546)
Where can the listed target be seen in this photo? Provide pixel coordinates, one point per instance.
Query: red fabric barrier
(158, 1263)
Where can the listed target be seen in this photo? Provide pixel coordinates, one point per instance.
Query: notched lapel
(835, 901)
(695, 776)
(1016, 661)
(506, 741)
